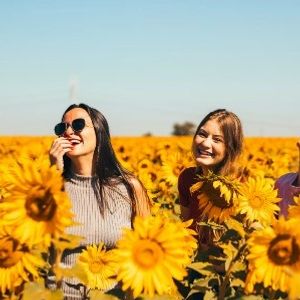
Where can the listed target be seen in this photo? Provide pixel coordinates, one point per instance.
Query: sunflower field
(255, 255)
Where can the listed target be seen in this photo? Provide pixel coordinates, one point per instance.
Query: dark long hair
(108, 169)
(231, 128)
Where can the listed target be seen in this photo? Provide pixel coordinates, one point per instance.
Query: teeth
(75, 142)
(205, 152)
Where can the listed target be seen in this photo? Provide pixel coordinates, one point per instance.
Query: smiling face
(209, 146)
(83, 142)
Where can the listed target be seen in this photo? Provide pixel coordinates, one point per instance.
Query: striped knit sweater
(94, 227)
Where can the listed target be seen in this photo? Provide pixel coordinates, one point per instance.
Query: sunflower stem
(224, 284)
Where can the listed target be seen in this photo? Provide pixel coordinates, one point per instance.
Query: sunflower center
(96, 266)
(9, 256)
(284, 250)
(221, 202)
(256, 201)
(41, 207)
(153, 176)
(213, 196)
(147, 253)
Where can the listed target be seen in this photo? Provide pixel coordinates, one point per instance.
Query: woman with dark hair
(105, 197)
(216, 146)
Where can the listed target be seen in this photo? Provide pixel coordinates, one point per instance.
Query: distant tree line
(186, 128)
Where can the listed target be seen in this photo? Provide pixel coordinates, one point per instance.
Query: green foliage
(219, 270)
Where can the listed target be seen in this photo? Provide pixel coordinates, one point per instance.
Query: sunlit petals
(151, 255)
(258, 200)
(217, 197)
(17, 263)
(274, 251)
(98, 266)
(36, 208)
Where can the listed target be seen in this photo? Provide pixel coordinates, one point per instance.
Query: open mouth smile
(74, 142)
(204, 153)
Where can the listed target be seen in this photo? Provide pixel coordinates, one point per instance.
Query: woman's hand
(58, 149)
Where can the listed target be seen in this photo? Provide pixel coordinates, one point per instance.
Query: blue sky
(149, 64)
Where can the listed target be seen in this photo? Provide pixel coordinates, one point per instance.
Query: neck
(204, 171)
(83, 166)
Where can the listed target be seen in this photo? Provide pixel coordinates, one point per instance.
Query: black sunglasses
(77, 125)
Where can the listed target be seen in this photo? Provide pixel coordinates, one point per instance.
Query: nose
(206, 142)
(69, 130)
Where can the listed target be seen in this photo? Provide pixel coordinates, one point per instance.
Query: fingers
(60, 142)
(58, 149)
(60, 146)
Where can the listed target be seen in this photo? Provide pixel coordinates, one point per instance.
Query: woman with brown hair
(217, 144)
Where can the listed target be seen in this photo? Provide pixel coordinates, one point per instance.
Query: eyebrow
(215, 135)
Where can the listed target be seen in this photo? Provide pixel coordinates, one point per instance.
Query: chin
(72, 153)
(206, 165)
(204, 162)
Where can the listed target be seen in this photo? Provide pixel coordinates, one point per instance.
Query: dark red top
(186, 179)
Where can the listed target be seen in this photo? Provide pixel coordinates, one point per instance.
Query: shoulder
(188, 175)
(136, 183)
(143, 203)
(138, 188)
(186, 179)
(286, 179)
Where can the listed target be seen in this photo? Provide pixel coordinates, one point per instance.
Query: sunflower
(36, 208)
(148, 175)
(274, 255)
(96, 268)
(166, 194)
(294, 210)
(294, 291)
(258, 200)
(36, 150)
(172, 165)
(17, 263)
(217, 197)
(151, 255)
(37, 290)
(188, 236)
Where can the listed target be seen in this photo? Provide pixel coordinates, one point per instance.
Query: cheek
(93, 141)
(223, 152)
(94, 144)
(197, 140)
(90, 140)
